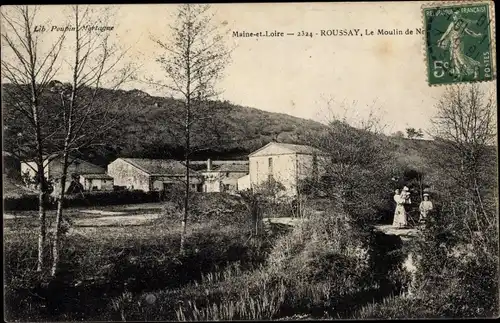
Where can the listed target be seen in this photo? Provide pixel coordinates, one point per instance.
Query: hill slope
(151, 127)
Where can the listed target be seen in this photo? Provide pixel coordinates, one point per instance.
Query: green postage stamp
(458, 42)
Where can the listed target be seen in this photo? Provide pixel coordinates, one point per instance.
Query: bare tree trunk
(42, 235)
(186, 207)
(194, 60)
(60, 205)
(34, 67)
(186, 159)
(68, 119)
(43, 229)
(255, 212)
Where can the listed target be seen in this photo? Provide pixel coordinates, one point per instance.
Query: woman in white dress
(400, 218)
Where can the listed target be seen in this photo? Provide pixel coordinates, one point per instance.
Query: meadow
(122, 263)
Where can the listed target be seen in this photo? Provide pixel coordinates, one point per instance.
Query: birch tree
(28, 67)
(95, 61)
(192, 61)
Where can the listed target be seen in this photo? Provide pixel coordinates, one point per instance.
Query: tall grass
(247, 306)
(101, 265)
(310, 270)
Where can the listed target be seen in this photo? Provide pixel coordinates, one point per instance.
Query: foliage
(94, 198)
(222, 208)
(22, 203)
(398, 134)
(312, 269)
(357, 171)
(413, 133)
(150, 132)
(468, 291)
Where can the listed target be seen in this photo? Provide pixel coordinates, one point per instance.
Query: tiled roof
(96, 176)
(240, 168)
(299, 149)
(162, 167)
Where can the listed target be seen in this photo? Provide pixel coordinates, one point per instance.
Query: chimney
(209, 164)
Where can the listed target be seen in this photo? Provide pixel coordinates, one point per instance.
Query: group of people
(403, 199)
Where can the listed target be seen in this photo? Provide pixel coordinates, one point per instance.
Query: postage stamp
(458, 43)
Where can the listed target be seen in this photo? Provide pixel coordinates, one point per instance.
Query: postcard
(250, 161)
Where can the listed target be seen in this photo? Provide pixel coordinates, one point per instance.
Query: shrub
(311, 269)
(30, 202)
(469, 291)
(394, 307)
(22, 203)
(455, 278)
(223, 208)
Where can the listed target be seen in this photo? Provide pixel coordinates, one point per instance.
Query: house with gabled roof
(78, 169)
(222, 176)
(152, 174)
(286, 164)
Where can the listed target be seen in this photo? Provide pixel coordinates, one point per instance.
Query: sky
(300, 75)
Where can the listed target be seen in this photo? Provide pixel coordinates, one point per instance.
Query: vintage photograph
(250, 161)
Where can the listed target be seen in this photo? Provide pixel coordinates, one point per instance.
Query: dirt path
(101, 212)
(285, 220)
(118, 220)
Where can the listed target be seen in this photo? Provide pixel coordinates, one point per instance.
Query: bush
(23, 203)
(469, 291)
(30, 202)
(111, 198)
(223, 208)
(455, 278)
(313, 269)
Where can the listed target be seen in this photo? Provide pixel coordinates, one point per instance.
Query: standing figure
(461, 65)
(425, 207)
(400, 219)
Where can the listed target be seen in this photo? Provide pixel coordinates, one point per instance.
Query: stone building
(286, 164)
(53, 169)
(224, 175)
(96, 182)
(152, 174)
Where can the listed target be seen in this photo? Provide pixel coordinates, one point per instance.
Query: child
(405, 195)
(425, 207)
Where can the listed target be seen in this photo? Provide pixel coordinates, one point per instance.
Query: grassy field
(111, 251)
(122, 263)
(116, 215)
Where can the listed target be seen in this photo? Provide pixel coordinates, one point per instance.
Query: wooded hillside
(150, 128)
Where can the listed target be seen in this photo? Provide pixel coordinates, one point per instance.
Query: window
(226, 187)
(270, 169)
(315, 166)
